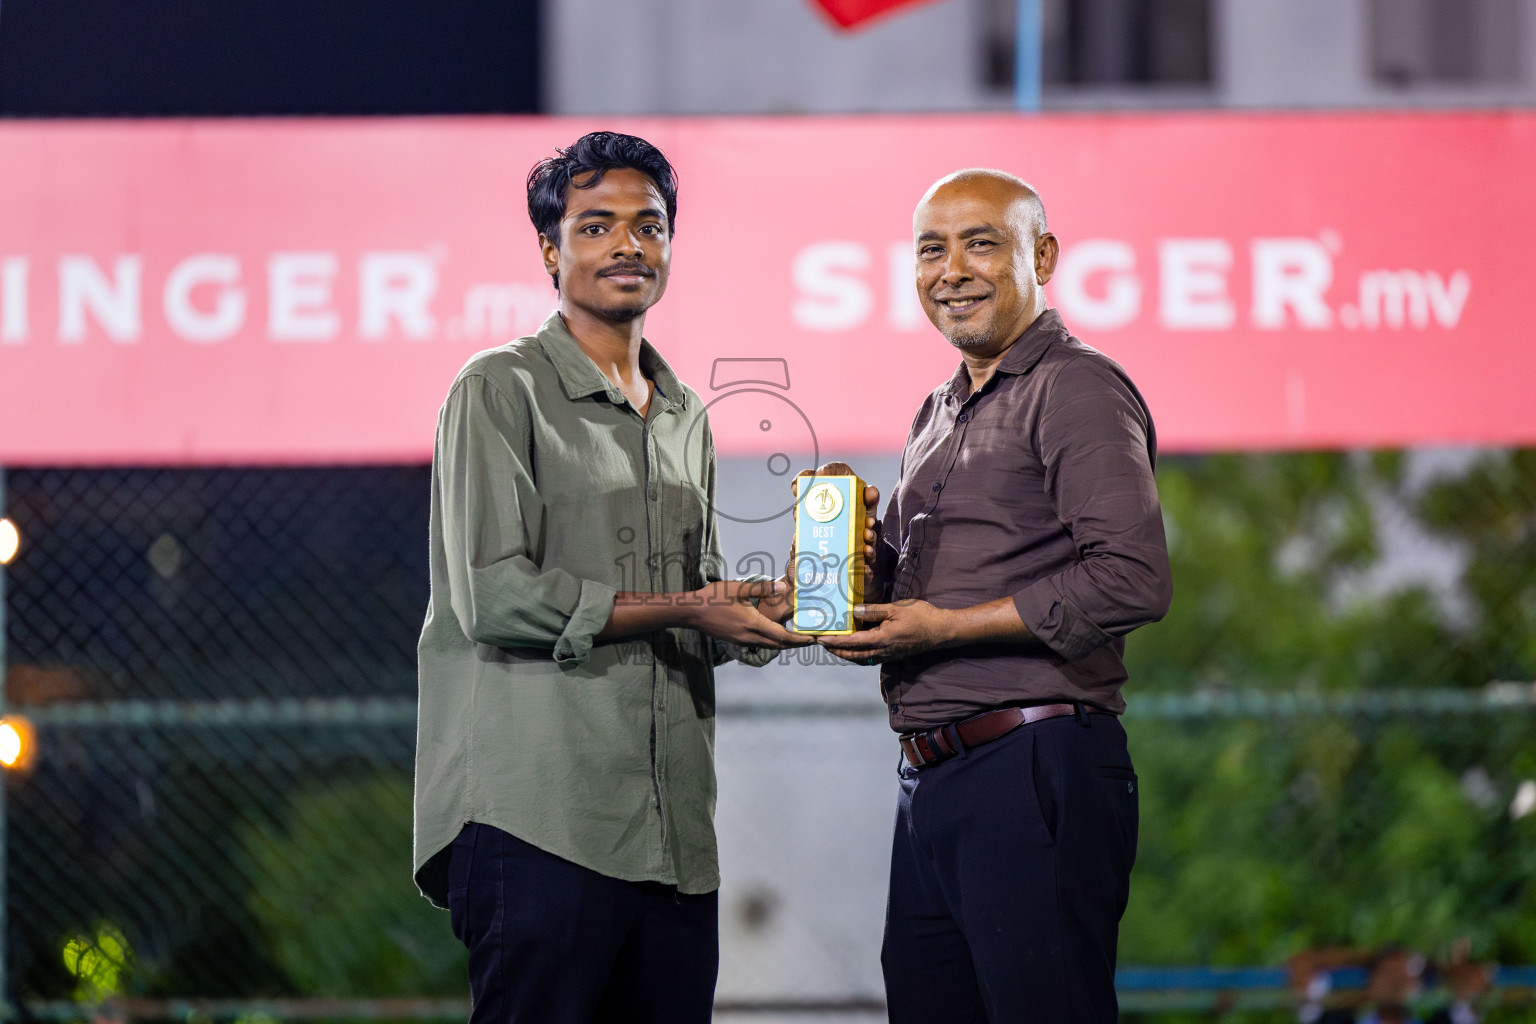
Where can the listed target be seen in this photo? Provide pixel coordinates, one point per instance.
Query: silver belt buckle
(918, 750)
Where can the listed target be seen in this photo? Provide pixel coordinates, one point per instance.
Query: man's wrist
(951, 628)
(687, 611)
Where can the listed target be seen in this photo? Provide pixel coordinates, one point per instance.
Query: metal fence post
(1027, 57)
(6, 1010)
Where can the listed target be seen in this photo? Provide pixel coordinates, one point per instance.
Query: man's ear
(551, 253)
(1047, 249)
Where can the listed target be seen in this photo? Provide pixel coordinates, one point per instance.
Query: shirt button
(964, 416)
(895, 708)
(935, 486)
(653, 494)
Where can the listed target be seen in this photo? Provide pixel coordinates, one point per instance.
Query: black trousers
(551, 942)
(1010, 869)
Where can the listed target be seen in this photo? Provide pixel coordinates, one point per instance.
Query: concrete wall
(750, 57)
(1318, 53)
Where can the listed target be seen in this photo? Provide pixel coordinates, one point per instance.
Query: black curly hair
(594, 154)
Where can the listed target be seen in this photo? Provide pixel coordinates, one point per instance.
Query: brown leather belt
(925, 748)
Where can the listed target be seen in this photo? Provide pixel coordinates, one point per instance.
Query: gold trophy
(829, 552)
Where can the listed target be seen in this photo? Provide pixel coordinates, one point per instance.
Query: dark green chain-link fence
(219, 668)
(221, 850)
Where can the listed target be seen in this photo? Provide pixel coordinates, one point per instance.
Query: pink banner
(304, 291)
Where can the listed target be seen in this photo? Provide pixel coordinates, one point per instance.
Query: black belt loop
(956, 741)
(1082, 714)
(931, 737)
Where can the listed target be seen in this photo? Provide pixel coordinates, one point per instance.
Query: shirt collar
(1022, 355)
(580, 377)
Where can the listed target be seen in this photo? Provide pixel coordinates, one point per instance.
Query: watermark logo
(752, 399)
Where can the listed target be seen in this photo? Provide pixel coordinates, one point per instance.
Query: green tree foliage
(1260, 838)
(1263, 548)
(1493, 509)
(332, 896)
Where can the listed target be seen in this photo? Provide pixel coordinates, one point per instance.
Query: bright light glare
(1525, 800)
(11, 744)
(10, 541)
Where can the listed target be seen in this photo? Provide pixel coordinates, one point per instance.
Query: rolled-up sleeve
(490, 510)
(1094, 441)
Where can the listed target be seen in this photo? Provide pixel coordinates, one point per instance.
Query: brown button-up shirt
(1038, 486)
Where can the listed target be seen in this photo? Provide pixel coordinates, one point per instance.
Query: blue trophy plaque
(829, 553)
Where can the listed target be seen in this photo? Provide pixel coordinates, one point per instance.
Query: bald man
(1023, 541)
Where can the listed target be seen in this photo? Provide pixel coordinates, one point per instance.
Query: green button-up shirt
(550, 493)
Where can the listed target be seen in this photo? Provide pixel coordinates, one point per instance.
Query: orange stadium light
(18, 742)
(10, 541)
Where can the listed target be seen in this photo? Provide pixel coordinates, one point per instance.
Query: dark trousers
(1010, 868)
(551, 942)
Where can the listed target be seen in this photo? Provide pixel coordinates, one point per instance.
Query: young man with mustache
(1023, 541)
(565, 782)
